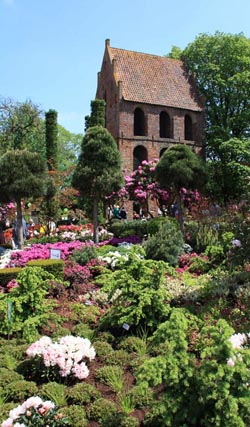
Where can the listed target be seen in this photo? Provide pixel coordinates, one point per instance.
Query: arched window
(165, 127)
(188, 128)
(140, 154)
(162, 152)
(139, 122)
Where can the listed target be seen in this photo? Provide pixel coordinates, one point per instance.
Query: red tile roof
(153, 79)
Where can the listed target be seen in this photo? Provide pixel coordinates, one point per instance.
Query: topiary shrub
(83, 393)
(21, 390)
(166, 244)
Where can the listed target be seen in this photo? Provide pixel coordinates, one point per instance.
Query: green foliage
(21, 126)
(138, 294)
(112, 376)
(104, 412)
(55, 392)
(175, 53)
(84, 255)
(51, 135)
(220, 64)
(83, 393)
(180, 167)
(154, 224)
(20, 390)
(207, 235)
(166, 244)
(5, 408)
(199, 265)
(84, 331)
(141, 395)
(124, 229)
(98, 172)
(134, 344)
(200, 388)
(103, 348)
(22, 175)
(97, 117)
(119, 357)
(75, 415)
(29, 305)
(84, 314)
(52, 266)
(8, 376)
(125, 421)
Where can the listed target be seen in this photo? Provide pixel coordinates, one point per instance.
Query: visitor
(116, 212)
(123, 214)
(51, 227)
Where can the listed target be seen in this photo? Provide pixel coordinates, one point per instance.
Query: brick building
(151, 104)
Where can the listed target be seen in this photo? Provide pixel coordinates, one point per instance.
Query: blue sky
(52, 50)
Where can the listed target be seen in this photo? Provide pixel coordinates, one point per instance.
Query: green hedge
(53, 266)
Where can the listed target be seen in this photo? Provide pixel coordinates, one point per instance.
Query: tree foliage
(21, 126)
(51, 139)
(98, 172)
(179, 167)
(221, 66)
(229, 177)
(22, 175)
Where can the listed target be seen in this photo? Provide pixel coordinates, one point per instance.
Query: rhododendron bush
(67, 356)
(35, 412)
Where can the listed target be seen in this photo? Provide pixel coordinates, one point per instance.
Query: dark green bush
(154, 224)
(84, 331)
(76, 416)
(125, 229)
(83, 393)
(119, 357)
(103, 348)
(8, 377)
(166, 244)
(104, 412)
(84, 255)
(21, 390)
(127, 421)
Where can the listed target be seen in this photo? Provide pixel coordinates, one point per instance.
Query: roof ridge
(144, 53)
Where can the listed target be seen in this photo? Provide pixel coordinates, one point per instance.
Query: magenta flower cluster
(42, 251)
